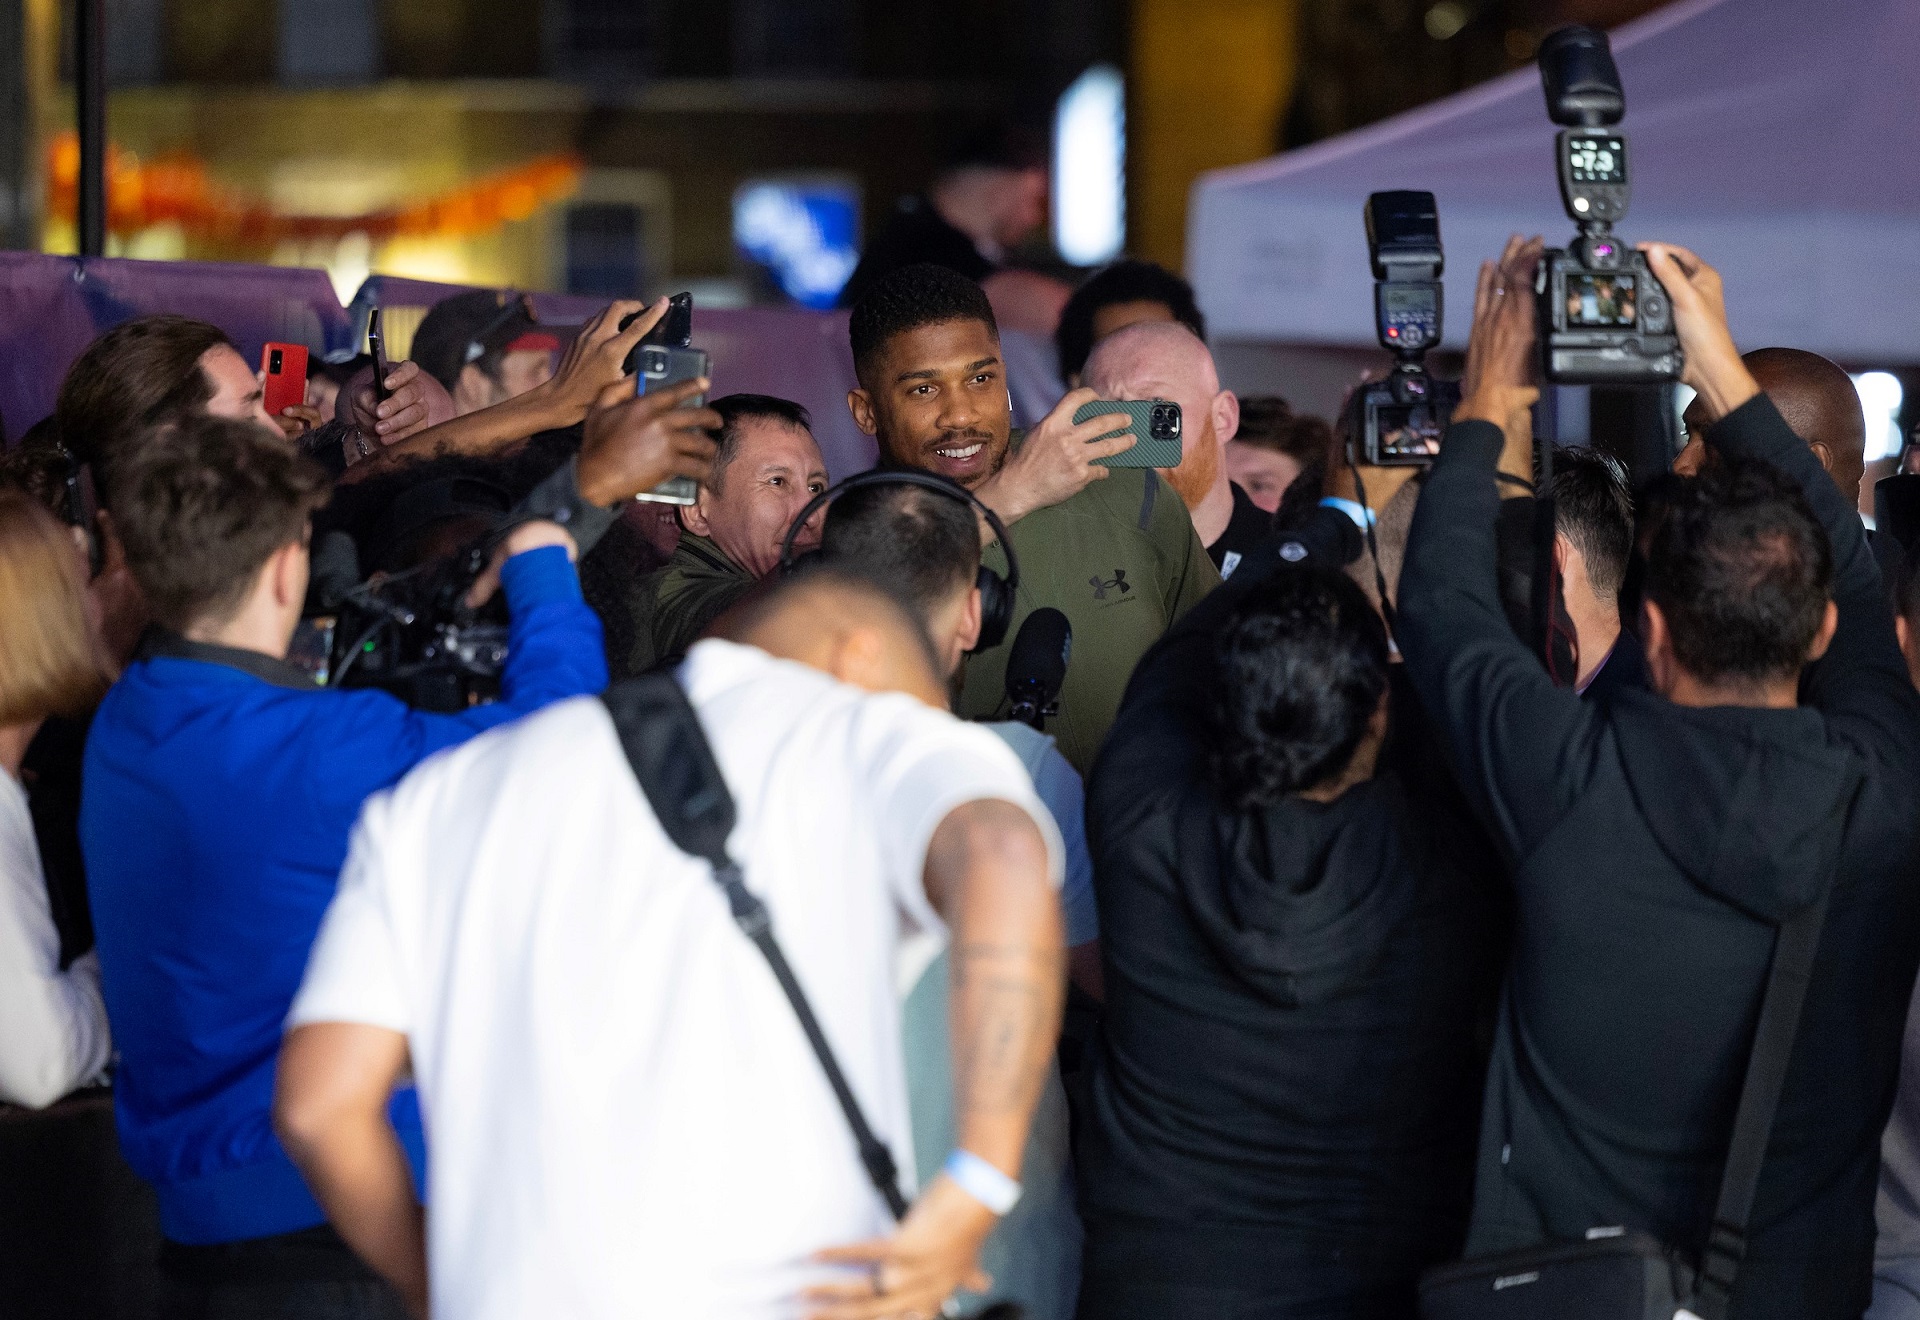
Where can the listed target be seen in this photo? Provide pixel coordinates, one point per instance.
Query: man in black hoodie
(1658, 838)
(1299, 941)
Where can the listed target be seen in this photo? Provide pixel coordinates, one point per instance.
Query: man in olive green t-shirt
(1112, 549)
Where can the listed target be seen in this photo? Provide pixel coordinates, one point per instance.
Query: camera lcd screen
(1597, 159)
(1600, 300)
(1403, 299)
(1409, 430)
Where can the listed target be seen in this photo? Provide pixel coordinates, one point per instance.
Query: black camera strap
(673, 762)
(1791, 972)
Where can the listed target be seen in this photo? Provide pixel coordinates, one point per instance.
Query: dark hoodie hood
(1298, 899)
(1749, 803)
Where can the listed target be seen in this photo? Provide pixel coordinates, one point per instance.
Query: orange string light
(177, 188)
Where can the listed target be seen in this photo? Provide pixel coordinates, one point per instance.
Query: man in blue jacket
(220, 787)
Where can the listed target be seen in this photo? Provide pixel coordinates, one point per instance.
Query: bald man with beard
(1165, 360)
(1819, 403)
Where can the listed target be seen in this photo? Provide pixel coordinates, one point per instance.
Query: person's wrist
(981, 1180)
(1721, 380)
(1000, 495)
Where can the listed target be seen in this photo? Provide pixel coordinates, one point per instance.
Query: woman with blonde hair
(53, 1023)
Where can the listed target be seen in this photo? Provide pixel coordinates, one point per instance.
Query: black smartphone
(377, 345)
(661, 367)
(674, 330)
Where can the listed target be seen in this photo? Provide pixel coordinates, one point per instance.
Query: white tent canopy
(1780, 139)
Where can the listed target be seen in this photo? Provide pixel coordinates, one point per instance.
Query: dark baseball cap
(470, 326)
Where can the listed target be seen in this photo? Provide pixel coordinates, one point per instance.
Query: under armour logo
(1118, 582)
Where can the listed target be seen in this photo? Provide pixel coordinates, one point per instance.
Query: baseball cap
(473, 325)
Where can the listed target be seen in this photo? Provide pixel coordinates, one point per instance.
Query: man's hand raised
(596, 359)
(1057, 461)
(634, 442)
(415, 401)
(1713, 365)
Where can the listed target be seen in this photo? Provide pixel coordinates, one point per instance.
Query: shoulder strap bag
(674, 764)
(1625, 1275)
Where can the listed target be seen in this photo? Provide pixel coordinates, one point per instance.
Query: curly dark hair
(1122, 282)
(908, 298)
(1301, 663)
(1741, 569)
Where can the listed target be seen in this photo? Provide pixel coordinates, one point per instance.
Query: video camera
(1404, 416)
(1604, 318)
(410, 632)
(414, 636)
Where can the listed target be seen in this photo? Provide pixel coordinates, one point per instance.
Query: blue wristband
(982, 1181)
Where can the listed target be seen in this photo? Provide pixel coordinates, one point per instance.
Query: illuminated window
(1089, 168)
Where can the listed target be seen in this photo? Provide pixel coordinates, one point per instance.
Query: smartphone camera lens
(273, 362)
(653, 361)
(1164, 423)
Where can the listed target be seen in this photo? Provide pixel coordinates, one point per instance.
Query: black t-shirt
(914, 233)
(1249, 526)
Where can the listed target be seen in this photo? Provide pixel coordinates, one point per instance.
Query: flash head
(1403, 236)
(1578, 75)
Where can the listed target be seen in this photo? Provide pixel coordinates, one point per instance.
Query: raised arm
(1512, 736)
(1861, 684)
(594, 361)
(987, 875)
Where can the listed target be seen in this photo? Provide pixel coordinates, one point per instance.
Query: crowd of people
(1339, 925)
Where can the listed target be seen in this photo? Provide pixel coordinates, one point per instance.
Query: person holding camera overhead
(220, 789)
(1665, 841)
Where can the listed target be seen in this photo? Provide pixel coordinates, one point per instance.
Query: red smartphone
(284, 367)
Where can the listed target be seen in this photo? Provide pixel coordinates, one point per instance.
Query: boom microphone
(1037, 666)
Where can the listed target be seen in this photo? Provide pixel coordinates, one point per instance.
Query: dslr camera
(1604, 318)
(1404, 416)
(413, 635)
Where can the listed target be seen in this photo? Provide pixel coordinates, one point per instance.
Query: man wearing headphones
(1112, 549)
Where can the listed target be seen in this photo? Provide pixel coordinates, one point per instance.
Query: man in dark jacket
(1659, 837)
(1298, 948)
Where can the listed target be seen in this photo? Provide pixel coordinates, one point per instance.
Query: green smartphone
(1155, 425)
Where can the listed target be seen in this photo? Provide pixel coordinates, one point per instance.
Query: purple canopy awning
(1780, 139)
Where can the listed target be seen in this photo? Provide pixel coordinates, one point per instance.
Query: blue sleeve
(1059, 786)
(554, 651)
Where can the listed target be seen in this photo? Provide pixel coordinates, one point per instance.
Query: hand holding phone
(661, 368)
(283, 375)
(1154, 424)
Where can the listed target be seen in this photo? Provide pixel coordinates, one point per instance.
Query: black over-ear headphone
(996, 592)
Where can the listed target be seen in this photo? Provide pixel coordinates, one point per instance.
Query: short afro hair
(908, 298)
(1122, 282)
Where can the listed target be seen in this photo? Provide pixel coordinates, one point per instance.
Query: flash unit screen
(1597, 160)
(1600, 300)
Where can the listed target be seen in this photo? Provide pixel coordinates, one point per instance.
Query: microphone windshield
(336, 570)
(1037, 665)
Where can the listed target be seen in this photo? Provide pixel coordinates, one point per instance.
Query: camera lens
(273, 363)
(654, 361)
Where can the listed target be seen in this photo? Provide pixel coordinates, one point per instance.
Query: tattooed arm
(987, 876)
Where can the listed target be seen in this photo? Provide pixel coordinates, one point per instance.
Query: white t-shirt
(623, 1116)
(53, 1023)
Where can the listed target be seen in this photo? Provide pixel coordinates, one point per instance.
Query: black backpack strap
(673, 762)
(1791, 973)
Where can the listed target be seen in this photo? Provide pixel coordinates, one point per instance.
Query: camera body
(413, 635)
(1402, 418)
(1604, 317)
